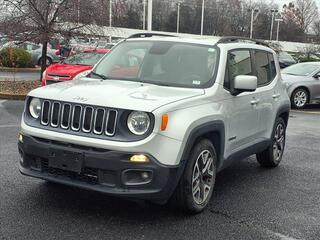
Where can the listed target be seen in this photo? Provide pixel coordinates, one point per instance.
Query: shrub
(15, 57)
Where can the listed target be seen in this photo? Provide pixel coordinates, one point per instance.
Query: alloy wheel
(300, 98)
(279, 139)
(203, 177)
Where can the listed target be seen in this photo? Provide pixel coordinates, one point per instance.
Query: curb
(8, 96)
(14, 70)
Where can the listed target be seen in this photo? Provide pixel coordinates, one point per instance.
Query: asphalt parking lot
(249, 202)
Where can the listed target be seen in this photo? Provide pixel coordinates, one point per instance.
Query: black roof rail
(148, 34)
(242, 39)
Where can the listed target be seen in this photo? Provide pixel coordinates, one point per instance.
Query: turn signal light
(164, 121)
(139, 158)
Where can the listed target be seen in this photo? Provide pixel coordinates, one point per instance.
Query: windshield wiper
(99, 75)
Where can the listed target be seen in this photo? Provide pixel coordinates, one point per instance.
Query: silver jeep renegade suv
(157, 118)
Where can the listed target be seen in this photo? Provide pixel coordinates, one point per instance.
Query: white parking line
(9, 126)
(283, 237)
(311, 112)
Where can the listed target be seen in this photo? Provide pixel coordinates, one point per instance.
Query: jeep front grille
(80, 118)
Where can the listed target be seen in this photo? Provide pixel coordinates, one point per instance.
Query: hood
(115, 93)
(67, 69)
(287, 78)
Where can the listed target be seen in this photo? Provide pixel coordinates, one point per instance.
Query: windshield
(84, 58)
(301, 69)
(163, 63)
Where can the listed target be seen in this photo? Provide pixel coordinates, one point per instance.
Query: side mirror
(245, 83)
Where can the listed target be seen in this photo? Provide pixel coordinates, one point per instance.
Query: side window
(262, 67)
(239, 63)
(34, 47)
(273, 70)
(265, 67)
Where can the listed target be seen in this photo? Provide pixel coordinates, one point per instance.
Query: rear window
(301, 69)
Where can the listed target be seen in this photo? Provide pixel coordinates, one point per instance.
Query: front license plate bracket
(66, 160)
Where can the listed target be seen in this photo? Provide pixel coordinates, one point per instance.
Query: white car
(157, 118)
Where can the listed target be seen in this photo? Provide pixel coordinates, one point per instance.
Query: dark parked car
(286, 60)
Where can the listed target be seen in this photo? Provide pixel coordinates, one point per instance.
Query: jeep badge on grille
(80, 99)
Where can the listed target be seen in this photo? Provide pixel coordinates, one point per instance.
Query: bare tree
(308, 12)
(40, 20)
(316, 30)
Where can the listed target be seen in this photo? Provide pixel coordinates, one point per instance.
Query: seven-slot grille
(78, 117)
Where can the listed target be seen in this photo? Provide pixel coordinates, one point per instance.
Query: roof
(179, 39)
(252, 43)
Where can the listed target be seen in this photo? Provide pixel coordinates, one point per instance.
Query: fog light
(139, 158)
(145, 175)
(20, 138)
(132, 177)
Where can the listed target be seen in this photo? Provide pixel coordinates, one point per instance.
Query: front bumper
(101, 170)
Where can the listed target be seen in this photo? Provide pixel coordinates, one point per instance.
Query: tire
(272, 156)
(48, 63)
(299, 98)
(187, 196)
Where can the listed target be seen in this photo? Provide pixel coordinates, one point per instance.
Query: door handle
(275, 96)
(255, 101)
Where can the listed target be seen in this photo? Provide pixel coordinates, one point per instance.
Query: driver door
(243, 113)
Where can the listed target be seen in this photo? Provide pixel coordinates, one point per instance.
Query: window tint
(239, 63)
(262, 67)
(273, 70)
(265, 67)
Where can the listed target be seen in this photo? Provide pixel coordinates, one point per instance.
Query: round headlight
(138, 122)
(35, 107)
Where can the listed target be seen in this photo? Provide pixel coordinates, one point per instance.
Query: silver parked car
(303, 83)
(35, 50)
(157, 118)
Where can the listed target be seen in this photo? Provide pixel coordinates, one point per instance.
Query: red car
(73, 67)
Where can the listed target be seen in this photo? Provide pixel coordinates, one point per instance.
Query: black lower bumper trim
(101, 170)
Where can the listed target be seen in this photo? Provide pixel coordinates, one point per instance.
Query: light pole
(251, 23)
(273, 11)
(278, 20)
(110, 13)
(110, 18)
(178, 17)
(78, 11)
(202, 17)
(144, 15)
(149, 15)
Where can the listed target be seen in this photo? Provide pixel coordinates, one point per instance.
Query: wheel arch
(283, 112)
(214, 131)
(302, 87)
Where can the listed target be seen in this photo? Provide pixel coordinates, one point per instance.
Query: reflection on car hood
(115, 93)
(293, 78)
